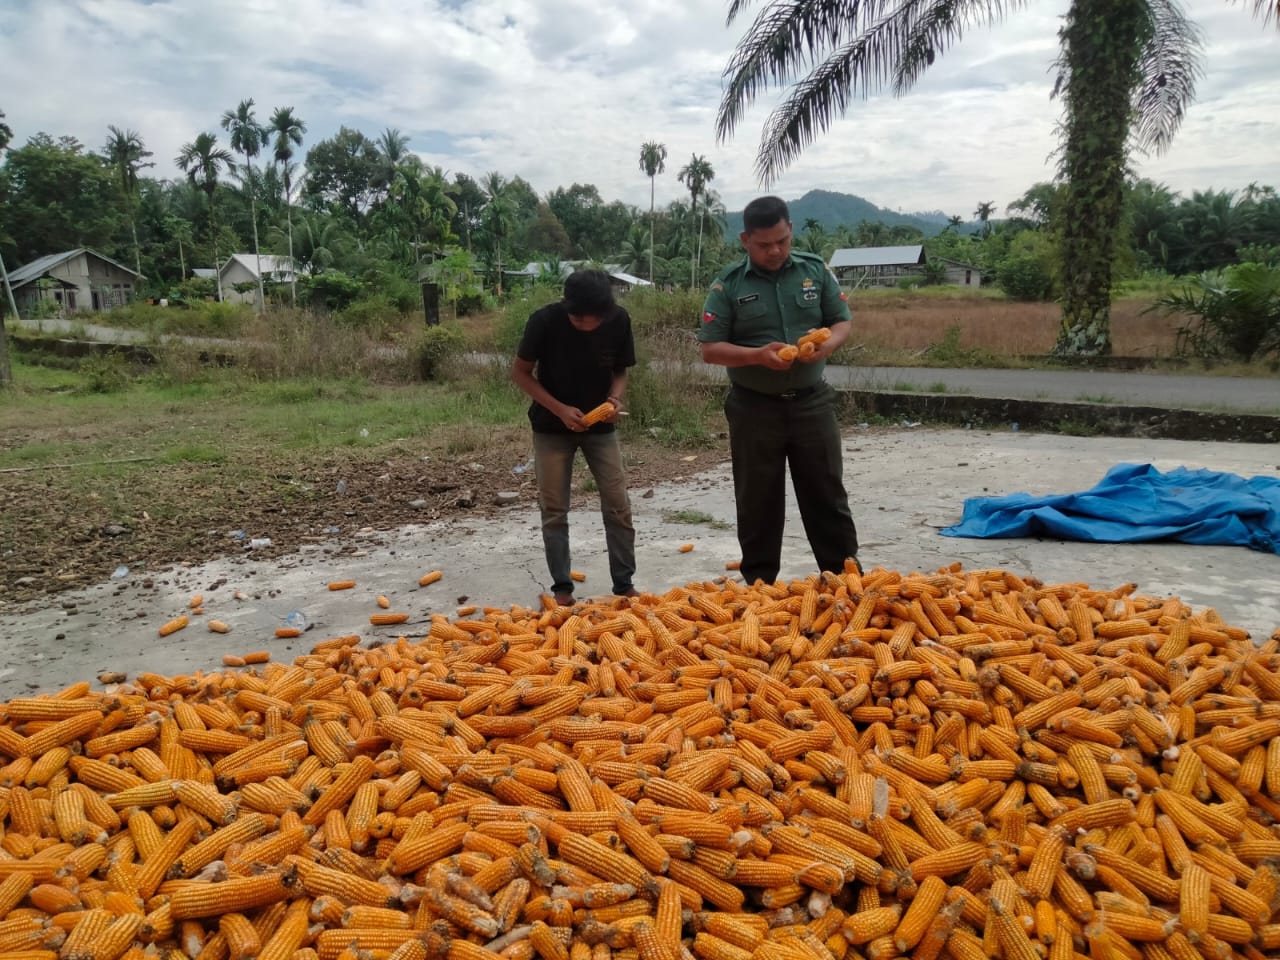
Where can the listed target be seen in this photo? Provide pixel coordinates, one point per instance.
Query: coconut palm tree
(1126, 68)
(126, 152)
(653, 160)
(695, 175)
(288, 130)
(202, 160)
(393, 150)
(248, 137)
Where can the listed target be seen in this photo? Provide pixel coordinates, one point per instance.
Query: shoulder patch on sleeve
(717, 285)
(708, 317)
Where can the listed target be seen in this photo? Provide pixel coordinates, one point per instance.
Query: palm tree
(653, 160)
(1126, 67)
(497, 215)
(248, 137)
(202, 160)
(634, 248)
(126, 152)
(695, 175)
(288, 130)
(393, 149)
(983, 215)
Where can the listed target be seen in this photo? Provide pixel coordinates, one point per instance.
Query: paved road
(1115, 388)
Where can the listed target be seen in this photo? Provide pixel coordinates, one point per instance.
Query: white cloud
(560, 91)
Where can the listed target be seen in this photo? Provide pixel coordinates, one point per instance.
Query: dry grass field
(890, 322)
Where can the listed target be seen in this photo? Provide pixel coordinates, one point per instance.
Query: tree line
(361, 214)
(365, 207)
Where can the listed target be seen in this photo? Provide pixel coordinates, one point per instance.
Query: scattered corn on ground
(966, 764)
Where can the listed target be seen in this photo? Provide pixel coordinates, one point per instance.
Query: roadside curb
(1081, 419)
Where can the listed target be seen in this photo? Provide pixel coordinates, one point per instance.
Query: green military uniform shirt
(751, 308)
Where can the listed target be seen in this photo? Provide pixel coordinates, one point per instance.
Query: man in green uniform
(781, 412)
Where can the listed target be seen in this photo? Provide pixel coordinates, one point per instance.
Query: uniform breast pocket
(809, 304)
(751, 311)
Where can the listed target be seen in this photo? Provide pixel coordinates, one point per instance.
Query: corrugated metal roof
(279, 267)
(629, 278)
(535, 268)
(877, 257)
(38, 268)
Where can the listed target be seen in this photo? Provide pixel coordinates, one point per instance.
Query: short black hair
(765, 212)
(588, 293)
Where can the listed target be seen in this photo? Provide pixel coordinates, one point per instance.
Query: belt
(798, 394)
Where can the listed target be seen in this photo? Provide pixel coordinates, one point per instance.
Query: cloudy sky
(560, 91)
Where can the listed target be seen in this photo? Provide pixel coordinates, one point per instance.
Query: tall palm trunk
(651, 230)
(1102, 46)
(698, 257)
(293, 270)
(253, 214)
(217, 267)
(137, 252)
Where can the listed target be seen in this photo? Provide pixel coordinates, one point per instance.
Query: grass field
(892, 322)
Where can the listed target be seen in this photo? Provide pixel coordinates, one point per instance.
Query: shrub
(1233, 312)
(654, 310)
(435, 347)
(333, 291)
(104, 373)
(1025, 277)
(370, 312)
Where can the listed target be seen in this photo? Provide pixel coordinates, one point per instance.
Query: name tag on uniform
(749, 299)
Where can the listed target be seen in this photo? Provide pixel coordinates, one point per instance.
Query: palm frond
(812, 105)
(785, 39)
(1267, 10)
(935, 26)
(1170, 66)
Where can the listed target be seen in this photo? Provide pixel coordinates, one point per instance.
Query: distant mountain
(833, 209)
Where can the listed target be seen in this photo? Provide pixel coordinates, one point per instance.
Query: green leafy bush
(370, 312)
(333, 291)
(435, 347)
(1025, 277)
(653, 310)
(104, 373)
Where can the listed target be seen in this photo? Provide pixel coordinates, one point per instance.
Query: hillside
(833, 209)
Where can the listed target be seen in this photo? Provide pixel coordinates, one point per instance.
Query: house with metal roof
(619, 278)
(241, 269)
(80, 279)
(876, 266)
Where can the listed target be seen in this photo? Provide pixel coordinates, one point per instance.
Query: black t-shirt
(576, 368)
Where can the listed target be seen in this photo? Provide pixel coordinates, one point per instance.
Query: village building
(857, 267)
(72, 281)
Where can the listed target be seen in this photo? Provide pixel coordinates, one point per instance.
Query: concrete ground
(904, 486)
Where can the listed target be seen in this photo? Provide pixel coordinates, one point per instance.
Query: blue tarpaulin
(1136, 503)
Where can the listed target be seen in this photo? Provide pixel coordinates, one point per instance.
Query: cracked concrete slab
(904, 486)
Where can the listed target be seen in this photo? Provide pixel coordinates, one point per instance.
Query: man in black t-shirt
(572, 357)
